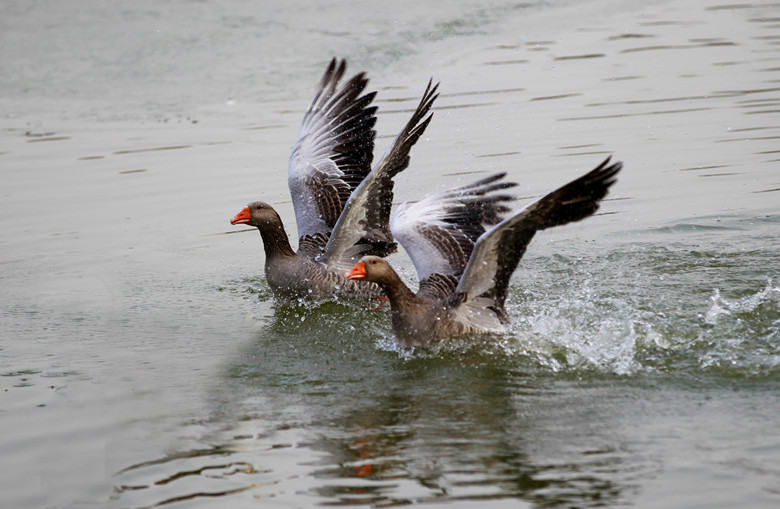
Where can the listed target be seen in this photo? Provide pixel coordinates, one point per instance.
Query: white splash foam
(724, 307)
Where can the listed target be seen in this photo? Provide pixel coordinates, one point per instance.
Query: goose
(465, 250)
(342, 206)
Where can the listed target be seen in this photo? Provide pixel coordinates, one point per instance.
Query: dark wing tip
(483, 186)
(605, 174)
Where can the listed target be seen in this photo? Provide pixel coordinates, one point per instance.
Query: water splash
(648, 308)
(722, 307)
(744, 333)
(636, 312)
(580, 330)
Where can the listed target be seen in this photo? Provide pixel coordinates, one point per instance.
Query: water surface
(144, 362)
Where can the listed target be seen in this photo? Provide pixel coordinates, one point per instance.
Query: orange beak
(357, 272)
(242, 217)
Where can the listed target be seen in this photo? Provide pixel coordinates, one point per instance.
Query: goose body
(465, 248)
(342, 205)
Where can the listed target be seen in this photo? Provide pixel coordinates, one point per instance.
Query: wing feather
(334, 150)
(366, 215)
(437, 286)
(498, 251)
(440, 231)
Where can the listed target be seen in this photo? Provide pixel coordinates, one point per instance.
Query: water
(145, 364)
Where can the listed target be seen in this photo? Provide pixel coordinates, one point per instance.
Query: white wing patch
(476, 313)
(410, 221)
(307, 160)
(306, 204)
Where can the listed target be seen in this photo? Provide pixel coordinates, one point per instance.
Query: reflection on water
(544, 415)
(385, 430)
(211, 471)
(471, 433)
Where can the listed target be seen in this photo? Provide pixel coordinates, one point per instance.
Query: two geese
(465, 243)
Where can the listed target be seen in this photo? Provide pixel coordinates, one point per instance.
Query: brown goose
(464, 271)
(342, 206)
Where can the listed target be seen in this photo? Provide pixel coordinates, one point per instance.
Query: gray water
(144, 362)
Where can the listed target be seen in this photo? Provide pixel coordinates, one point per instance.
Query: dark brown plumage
(463, 291)
(294, 275)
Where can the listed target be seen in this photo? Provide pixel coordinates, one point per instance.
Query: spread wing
(334, 150)
(363, 227)
(498, 251)
(440, 231)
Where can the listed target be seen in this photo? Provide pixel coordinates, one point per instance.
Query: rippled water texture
(144, 362)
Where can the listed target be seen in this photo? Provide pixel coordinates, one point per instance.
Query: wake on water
(648, 310)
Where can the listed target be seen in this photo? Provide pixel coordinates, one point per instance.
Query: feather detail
(366, 216)
(334, 150)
